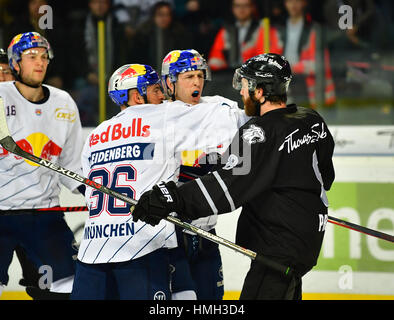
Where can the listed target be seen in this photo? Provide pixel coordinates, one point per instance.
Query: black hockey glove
(156, 204)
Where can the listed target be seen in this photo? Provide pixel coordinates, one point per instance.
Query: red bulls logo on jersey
(117, 131)
(39, 145)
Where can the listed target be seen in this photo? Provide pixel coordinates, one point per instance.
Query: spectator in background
(28, 20)
(363, 15)
(237, 40)
(157, 36)
(5, 70)
(195, 15)
(297, 41)
(356, 43)
(6, 16)
(133, 13)
(83, 56)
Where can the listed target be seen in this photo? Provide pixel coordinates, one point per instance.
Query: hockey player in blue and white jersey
(197, 261)
(44, 121)
(139, 147)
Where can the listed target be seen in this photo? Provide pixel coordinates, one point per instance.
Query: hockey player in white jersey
(30, 274)
(183, 74)
(44, 121)
(141, 146)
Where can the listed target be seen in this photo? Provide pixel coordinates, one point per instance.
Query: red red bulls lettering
(145, 131)
(139, 120)
(133, 126)
(104, 136)
(126, 132)
(117, 132)
(94, 139)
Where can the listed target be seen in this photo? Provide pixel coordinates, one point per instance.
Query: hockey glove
(156, 204)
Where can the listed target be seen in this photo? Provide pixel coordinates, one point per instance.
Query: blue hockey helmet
(131, 76)
(25, 41)
(179, 61)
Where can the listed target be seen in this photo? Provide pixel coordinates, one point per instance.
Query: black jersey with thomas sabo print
(278, 168)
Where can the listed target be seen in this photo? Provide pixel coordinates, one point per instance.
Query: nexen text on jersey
(135, 130)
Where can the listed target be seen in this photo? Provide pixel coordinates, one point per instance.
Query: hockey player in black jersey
(278, 169)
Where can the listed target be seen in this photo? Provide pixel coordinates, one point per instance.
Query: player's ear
(135, 97)
(16, 66)
(258, 93)
(170, 85)
(139, 99)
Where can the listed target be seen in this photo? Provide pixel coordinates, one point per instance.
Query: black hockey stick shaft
(356, 227)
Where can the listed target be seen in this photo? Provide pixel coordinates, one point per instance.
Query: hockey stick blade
(9, 144)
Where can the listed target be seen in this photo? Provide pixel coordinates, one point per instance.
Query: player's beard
(250, 106)
(32, 83)
(29, 81)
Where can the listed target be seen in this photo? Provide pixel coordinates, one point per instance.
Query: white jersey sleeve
(209, 125)
(241, 116)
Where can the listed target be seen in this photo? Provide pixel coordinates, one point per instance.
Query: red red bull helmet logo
(133, 70)
(172, 57)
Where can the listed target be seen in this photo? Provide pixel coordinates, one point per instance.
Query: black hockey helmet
(271, 71)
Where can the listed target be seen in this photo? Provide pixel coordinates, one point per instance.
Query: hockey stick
(41, 210)
(367, 231)
(333, 220)
(8, 143)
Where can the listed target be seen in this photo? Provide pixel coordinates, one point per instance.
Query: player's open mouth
(195, 93)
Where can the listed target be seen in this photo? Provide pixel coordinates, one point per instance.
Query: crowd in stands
(332, 66)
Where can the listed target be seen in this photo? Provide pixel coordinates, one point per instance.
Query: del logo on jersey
(65, 114)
